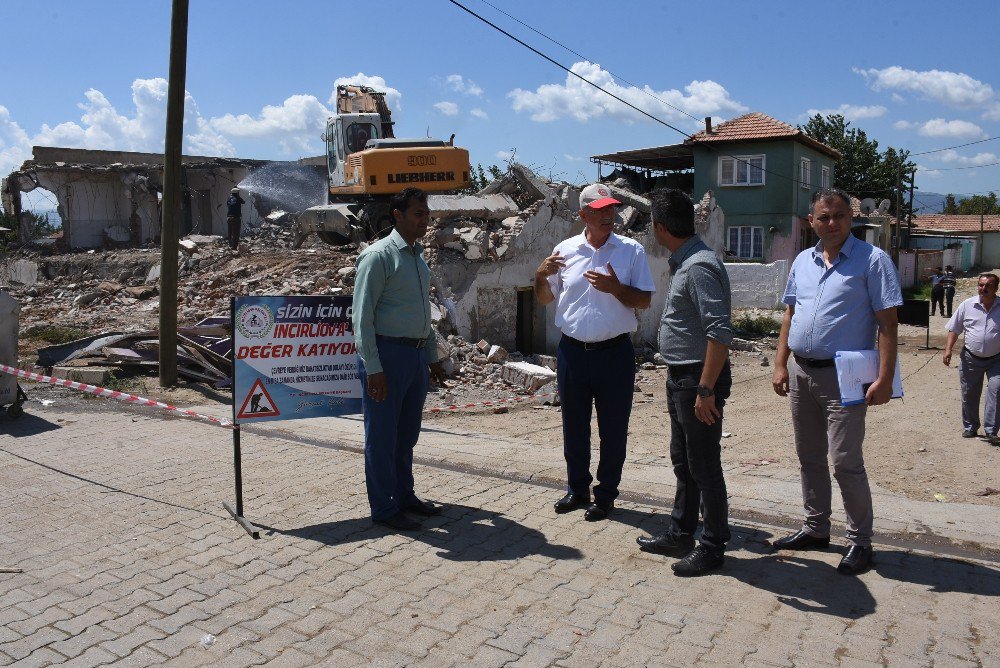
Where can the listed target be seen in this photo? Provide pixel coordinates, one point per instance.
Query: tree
(478, 177)
(39, 226)
(864, 171)
(973, 206)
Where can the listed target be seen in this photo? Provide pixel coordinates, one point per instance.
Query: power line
(951, 169)
(566, 69)
(948, 148)
(707, 146)
(590, 60)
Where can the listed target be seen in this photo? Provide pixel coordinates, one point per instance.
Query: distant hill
(925, 202)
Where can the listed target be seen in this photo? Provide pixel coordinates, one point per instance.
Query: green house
(762, 172)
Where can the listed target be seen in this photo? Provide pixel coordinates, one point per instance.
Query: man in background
(234, 217)
(980, 356)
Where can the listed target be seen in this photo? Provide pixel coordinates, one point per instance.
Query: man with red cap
(597, 279)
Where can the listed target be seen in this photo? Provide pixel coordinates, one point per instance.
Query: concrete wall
(92, 201)
(8, 346)
(757, 285)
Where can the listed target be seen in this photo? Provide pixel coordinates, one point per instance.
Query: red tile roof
(956, 223)
(758, 126)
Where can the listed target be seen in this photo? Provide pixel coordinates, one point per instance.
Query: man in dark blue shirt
(234, 217)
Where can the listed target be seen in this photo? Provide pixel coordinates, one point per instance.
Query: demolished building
(112, 198)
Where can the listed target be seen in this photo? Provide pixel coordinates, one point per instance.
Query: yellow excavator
(366, 164)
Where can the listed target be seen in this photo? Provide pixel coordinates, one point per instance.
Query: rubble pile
(113, 293)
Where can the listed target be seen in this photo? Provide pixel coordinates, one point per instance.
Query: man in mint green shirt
(397, 356)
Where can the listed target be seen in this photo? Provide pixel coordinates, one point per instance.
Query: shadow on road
(808, 585)
(26, 425)
(940, 574)
(461, 533)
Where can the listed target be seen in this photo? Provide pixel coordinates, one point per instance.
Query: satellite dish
(883, 207)
(867, 206)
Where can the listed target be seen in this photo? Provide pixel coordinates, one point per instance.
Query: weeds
(54, 334)
(760, 325)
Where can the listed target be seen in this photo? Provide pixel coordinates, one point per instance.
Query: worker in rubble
(597, 280)
(397, 357)
(234, 217)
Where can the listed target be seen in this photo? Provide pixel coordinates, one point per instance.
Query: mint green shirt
(392, 298)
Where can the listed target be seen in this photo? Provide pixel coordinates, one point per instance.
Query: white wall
(757, 285)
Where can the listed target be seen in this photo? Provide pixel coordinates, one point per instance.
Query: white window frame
(805, 173)
(751, 236)
(824, 177)
(742, 163)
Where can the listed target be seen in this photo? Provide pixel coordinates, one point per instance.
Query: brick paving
(115, 518)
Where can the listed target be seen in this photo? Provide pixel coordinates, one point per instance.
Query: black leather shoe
(571, 502)
(598, 511)
(800, 540)
(857, 560)
(699, 561)
(969, 433)
(669, 544)
(425, 508)
(399, 522)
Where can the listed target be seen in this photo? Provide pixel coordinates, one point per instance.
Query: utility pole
(169, 223)
(899, 210)
(909, 215)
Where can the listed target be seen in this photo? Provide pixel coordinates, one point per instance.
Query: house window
(746, 243)
(741, 170)
(825, 177)
(804, 169)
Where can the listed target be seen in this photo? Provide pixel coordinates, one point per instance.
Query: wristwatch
(704, 391)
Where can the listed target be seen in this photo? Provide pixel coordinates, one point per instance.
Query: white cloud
(479, 113)
(392, 96)
(993, 113)
(851, 112)
(462, 85)
(953, 157)
(938, 127)
(294, 125)
(15, 145)
(504, 155)
(929, 172)
(447, 108)
(572, 158)
(952, 88)
(579, 100)
(102, 126)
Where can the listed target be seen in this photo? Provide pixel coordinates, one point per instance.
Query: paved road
(115, 518)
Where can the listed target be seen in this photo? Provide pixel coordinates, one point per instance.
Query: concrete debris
(487, 207)
(530, 377)
(744, 345)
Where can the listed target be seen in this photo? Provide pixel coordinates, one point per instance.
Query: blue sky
(919, 76)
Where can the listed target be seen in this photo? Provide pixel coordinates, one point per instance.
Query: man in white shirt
(979, 318)
(597, 280)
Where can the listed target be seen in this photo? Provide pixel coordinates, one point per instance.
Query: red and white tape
(498, 402)
(113, 394)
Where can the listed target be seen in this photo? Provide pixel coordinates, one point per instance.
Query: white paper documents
(856, 370)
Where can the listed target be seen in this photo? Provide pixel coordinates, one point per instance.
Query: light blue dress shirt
(835, 307)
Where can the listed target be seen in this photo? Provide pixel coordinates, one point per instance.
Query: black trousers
(949, 297)
(937, 300)
(696, 455)
(234, 227)
(604, 379)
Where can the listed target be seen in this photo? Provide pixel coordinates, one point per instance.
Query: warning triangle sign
(258, 404)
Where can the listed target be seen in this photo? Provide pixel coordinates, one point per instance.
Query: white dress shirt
(982, 329)
(585, 313)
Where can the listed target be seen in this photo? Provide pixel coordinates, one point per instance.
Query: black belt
(679, 369)
(403, 341)
(813, 364)
(980, 357)
(597, 345)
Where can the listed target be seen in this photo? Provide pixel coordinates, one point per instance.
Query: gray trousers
(970, 375)
(824, 428)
